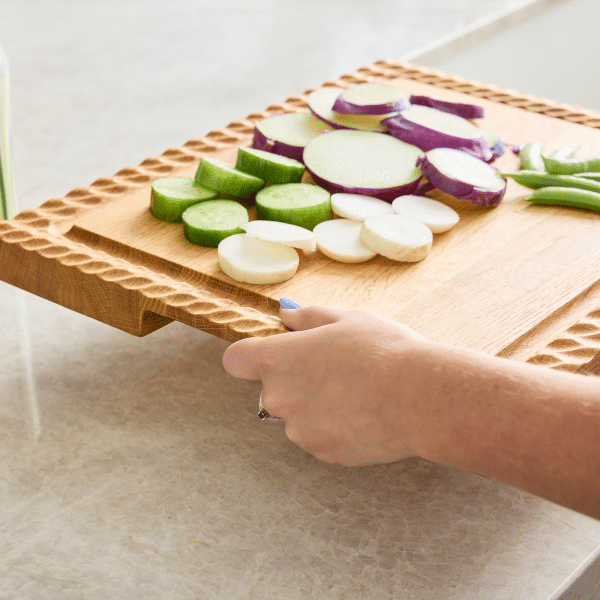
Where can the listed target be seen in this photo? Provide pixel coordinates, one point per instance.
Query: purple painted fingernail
(287, 303)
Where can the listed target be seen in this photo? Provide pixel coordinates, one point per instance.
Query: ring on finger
(263, 414)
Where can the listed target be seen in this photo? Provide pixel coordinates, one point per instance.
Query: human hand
(340, 380)
(356, 388)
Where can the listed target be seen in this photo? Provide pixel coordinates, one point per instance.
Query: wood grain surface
(519, 281)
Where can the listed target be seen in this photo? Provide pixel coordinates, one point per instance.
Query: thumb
(309, 317)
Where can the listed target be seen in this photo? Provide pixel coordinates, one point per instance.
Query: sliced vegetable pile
(372, 155)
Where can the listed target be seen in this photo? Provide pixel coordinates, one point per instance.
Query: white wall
(556, 55)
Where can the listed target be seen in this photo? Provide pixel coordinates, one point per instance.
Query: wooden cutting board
(518, 280)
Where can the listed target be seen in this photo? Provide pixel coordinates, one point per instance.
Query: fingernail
(287, 303)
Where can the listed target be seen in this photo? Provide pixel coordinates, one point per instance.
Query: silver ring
(263, 414)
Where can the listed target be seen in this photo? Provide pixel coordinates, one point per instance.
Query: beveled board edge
(32, 238)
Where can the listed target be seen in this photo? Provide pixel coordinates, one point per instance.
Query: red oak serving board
(518, 280)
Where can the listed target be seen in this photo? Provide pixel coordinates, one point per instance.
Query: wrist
(455, 393)
(431, 401)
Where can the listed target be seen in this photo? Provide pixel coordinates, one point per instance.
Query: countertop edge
(480, 30)
(583, 583)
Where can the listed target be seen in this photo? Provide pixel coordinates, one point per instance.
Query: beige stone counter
(136, 468)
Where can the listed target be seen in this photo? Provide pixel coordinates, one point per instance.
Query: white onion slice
(250, 260)
(283, 233)
(439, 217)
(358, 207)
(339, 239)
(397, 237)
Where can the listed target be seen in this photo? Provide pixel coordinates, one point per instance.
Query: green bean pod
(571, 166)
(537, 179)
(564, 196)
(531, 156)
(564, 152)
(594, 176)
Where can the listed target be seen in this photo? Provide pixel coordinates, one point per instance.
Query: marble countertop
(135, 467)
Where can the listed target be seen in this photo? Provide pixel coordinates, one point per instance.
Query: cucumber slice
(339, 239)
(171, 196)
(301, 204)
(218, 175)
(268, 166)
(210, 222)
(252, 260)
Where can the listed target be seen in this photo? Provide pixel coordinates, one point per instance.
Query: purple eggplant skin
(423, 187)
(387, 194)
(460, 189)
(262, 142)
(460, 109)
(343, 106)
(498, 150)
(428, 139)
